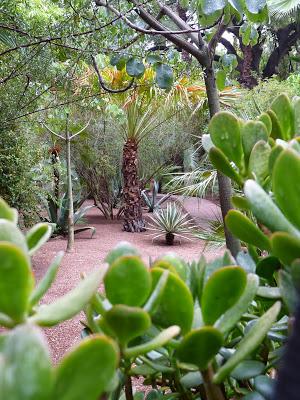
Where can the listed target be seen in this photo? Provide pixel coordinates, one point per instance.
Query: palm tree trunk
(133, 216)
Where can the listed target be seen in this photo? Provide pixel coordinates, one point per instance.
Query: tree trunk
(133, 217)
(232, 243)
(246, 78)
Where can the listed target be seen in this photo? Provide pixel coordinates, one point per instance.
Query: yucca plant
(171, 222)
(150, 198)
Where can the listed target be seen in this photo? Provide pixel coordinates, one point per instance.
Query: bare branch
(102, 84)
(81, 130)
(52, 132)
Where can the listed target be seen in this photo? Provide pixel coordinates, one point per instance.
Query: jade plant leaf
(283, 109)
(276, 128)
(127, 323)
(288, 291)
(225, 133)
(265, 210)
(86, 371)
(232, 316)
(221, 163)
(199, 346)
(222, 290)
(285, 247)
(248, 369)
(252, 132)
(7, 212)
(16, 281)
(127, 281)
(45, 283)
(249, 343)
(259, 160)
(37, 236)
(122, 249)
(243, 228)
(296, 107)
(157, 292)
(176, 306)
(266, 120)
(71, 303)
(286, 176)
(177, 263)
(27, 371)
(240, 202)
(266, 267)
(9, 232)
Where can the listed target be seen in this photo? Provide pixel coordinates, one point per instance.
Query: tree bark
(232, 243)
(133, 216)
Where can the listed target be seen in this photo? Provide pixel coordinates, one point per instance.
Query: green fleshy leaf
(283, 109)
(37, 236)
(9, 232)
(266, 267)
(243, 228)
(199, 346)
(276, 128)
(252, 132)
(285, 247)
(248, 369)
(8, 213)
(221, 163)
(119, 279)
(122, 249)
(259, 161)
(86, 371)
(288, 291)
(222, 290)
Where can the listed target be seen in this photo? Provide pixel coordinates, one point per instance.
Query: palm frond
(283, 8)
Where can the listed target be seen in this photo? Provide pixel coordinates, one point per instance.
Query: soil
(91, 252)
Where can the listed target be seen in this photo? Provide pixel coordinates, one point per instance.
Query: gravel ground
(90, 253)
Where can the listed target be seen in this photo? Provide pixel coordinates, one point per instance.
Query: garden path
(90, 253)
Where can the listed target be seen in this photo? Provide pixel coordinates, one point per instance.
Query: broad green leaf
(266, 267)
(119, 279)
(209, 7)
(86, 371)
(221, 79)
(27, 372)
(283, 109)
(276, 151)
(249, 343)
(243, 228)
(222, 290)
(164, 264)
(221, 163)
(265, 209)
(37, 236)
(47, 280)
(276, 128)
(255, 6)
(160, 340)
(157, 292)
(229, 62)
(237, 5)
(285, 247)
(286, 176)
(135, 67)
(252, 132)
(248, 369)
(122, 249)
(127, 323)
(179, 265)
(296, 107)
(265, 386)
(176, 306)
(266, 120)
(288, 291)
(6, 212)
(240, 202)
(163, 76)
(71, 303)
(199, 346)
(225, 133)
(259, 161)
(16, 281)
(153, 59)
(232, 316)
(9, 232)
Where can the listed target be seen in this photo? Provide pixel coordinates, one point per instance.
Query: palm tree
(282, 8)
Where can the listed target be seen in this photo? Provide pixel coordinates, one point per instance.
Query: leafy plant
(171, 222)
(150, 199)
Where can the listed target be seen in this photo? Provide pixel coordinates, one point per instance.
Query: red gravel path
(89, 253)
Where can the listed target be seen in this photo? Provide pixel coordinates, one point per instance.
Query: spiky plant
(171, 222)
(283, 8)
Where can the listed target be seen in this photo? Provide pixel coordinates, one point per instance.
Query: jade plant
(193, 330)
(262, 157)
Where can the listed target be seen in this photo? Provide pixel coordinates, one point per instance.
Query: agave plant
(150, 198)
(171, 222)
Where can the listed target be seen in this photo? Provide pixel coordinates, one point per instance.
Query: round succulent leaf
(264, 385)
(27, 373)
(122, 249)
(266, 267)
(221, 163)
(16, 281)
(259, 160)
(225, 133)
(176, 304)
(286, 188)
(266, 120)
(252, 132)
(240, 202)
(7, 212)
(87, 370)
(222, 290)
(243, 228)
(253, 396)
(127, 281)
(9, 232)
(177, 263)
(282, 107)
(127, 323)
(275, 152)
(164, 264)
(248, 369)
(276, 128)
(37, 236)
(285, 247)
(199, 346)
(135, 67)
